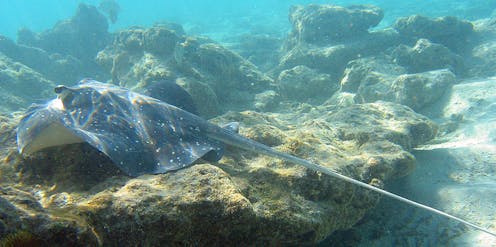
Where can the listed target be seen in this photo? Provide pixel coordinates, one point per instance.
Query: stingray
(144, 135)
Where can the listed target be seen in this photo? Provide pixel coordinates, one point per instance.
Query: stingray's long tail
(244, 143)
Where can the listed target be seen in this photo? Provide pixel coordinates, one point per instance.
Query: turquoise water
(257, 74)
(218, 16)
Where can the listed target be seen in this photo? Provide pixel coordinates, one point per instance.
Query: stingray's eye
(65, 94)
(59, 89)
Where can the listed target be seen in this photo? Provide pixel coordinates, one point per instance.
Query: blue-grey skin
(140, 134)
(143, 135)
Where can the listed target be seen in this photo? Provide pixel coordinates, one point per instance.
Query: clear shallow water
(222, 20)
(219, 16)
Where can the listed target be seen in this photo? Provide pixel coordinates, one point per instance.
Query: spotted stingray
(143, 135)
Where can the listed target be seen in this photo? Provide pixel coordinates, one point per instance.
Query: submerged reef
(244, 197)
(346, 96)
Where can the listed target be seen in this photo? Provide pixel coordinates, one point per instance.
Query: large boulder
(367, 72)
(327, 37)
(425, 56)
(324, 24)
(379, 78)
(448, 31)
(481, 61)
(422, 89)
(244, 197)
(332, 59)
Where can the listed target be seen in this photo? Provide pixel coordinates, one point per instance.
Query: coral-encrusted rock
(425, 56)
(449, 31)
(20, 85)
(307, 85)
(82, 36)
(321, 24)
(244, 198)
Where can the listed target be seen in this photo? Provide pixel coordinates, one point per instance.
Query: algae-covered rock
(321, 24)
(307, 85)
(425, 56)
(244, 197)
(20, 86)
(449, 31)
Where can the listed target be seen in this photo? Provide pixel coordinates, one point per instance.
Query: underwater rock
(379, 78)
(138, 56)
(448, 31)
(344, 38)
(324, 24)
(227, 70)
(203, 96)
(267, 101)
(306, 85)
(334, 58)
(330, 60)
(53, 66)
(421, 89)
(82, 36)
(244, 197)
(370, 74)
(425, 56)
(21, 86)
(481, 60)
